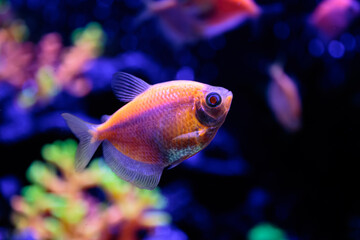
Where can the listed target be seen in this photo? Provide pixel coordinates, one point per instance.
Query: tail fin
(87, 145)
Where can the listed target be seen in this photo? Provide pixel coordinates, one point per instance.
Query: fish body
(188, 21)
(160, 126)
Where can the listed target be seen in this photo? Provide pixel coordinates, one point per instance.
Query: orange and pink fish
(191, 20)
(159, 127)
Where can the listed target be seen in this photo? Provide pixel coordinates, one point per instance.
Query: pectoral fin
(190, 135)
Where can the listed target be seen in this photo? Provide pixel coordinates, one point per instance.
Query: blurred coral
(41, 71)
(93, 204)
(87, 45)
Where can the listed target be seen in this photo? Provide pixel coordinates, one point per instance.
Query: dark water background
(306, 183)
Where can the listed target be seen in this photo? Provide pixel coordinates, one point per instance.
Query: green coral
(57, 206)
(92, 34)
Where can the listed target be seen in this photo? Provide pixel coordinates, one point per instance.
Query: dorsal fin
(126, 86)
(104, 118)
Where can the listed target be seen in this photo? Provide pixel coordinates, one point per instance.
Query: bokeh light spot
(336, 49)
(316, 47)
(258, 197)
(9, 185)
(349, 41)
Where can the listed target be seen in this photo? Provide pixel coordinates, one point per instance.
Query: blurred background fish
(284, 99)
(191, 20)
(333, 17)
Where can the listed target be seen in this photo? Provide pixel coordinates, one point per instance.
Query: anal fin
(142, 175)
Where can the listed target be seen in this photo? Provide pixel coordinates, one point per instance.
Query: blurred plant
(266, 231)
(58, 68)
(14, 56)
(10, 27)
(88, 44)
(93, 204)
(41, 71)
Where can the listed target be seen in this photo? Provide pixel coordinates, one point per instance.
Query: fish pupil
(213, 99)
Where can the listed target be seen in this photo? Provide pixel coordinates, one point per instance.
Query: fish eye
(213, 99)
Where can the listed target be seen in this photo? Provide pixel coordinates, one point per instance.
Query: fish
(332, 17)
(191, 20)
(160, 126)
(284, 99)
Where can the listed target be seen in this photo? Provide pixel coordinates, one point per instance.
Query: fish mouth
(228, 99)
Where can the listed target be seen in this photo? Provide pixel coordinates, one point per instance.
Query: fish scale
(147, 107)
